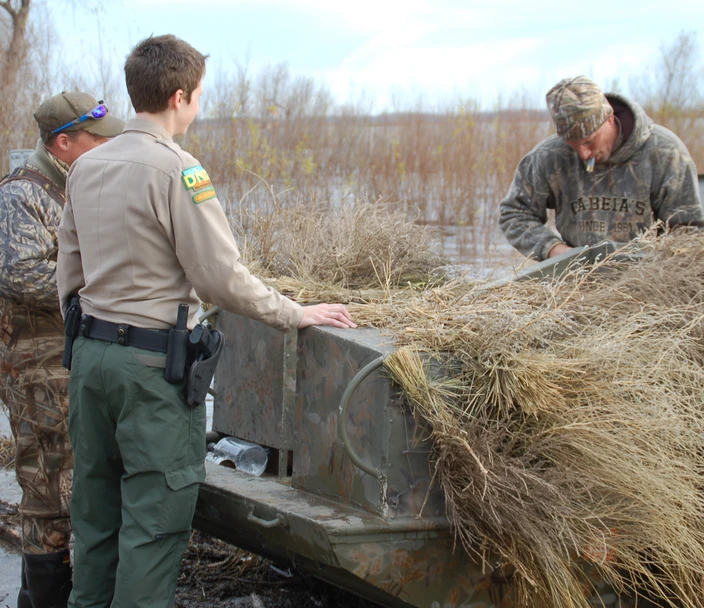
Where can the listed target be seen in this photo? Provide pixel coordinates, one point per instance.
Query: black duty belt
(155, 340)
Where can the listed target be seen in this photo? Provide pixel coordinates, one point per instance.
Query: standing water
(480, 253)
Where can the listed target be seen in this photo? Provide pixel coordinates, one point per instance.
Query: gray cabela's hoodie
(650, 176)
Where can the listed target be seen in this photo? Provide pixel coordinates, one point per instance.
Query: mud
(218, 575)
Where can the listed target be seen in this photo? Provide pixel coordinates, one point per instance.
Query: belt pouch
(71, 325)
(177, 349)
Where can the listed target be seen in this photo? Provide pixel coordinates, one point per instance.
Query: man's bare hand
(336, 315)
(558, 249)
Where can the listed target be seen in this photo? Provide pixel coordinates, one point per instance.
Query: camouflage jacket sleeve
(29, 222)
(676, 192)
(523, 212)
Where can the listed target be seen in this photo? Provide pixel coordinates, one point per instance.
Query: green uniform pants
(139, 457)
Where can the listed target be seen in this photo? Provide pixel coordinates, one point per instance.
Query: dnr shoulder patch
(197, 179)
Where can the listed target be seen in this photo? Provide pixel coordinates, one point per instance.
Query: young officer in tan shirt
(142, 232)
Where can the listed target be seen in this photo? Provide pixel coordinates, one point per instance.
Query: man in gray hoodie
(608, 173)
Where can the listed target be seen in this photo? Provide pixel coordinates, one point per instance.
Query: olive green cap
(578, 107)
(60, 110)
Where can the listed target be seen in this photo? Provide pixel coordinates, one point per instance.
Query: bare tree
(228, 95)
(676, 82)
(17, 15)
(27, 74)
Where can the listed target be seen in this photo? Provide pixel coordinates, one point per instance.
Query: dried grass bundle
(305, 292)
(353, 246)
(571, 425)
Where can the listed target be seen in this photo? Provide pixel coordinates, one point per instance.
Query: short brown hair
(158, 67)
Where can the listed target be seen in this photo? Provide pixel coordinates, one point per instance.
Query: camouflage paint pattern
(649, 177)
(33, 384)
(34, 387)
(29, 223)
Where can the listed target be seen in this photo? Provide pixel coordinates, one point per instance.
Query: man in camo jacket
(608, 173)
(33, 384)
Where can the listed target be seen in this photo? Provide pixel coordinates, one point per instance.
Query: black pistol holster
(206, 346)
(72, 322)
(193, 354)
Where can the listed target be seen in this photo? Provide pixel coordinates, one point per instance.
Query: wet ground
(219, 575)
(213, 574)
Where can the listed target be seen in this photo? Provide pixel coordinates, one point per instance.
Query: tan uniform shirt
(143, 231)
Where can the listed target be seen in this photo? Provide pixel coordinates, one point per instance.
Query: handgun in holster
(72, 321)
(206, 346)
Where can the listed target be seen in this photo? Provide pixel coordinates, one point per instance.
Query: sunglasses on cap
(98, 112)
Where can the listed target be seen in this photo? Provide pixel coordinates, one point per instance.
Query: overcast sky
(434, 49)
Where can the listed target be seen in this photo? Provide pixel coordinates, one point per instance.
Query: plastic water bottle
(245, 456)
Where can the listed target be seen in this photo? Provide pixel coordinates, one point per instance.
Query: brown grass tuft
(326, 252)
(571, 426)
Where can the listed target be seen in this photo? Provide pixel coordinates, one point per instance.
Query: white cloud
(439, 72)
(526, 67)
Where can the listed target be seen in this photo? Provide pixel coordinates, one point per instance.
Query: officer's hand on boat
(336, 315)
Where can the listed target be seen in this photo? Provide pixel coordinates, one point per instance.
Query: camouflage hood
(642, 128)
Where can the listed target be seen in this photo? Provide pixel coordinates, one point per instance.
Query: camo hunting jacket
(29, 223)
(650, 176)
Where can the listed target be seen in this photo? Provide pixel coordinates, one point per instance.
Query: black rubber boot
(23, 600)
(48, 579)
